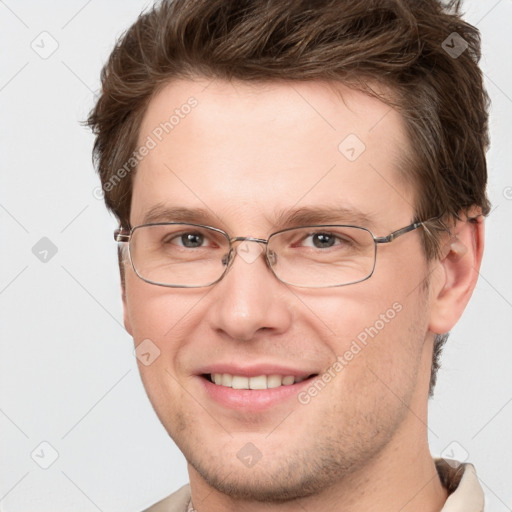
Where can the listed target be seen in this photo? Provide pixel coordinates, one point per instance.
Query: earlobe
(459, 264)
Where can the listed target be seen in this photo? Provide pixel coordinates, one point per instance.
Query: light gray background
(67, 369)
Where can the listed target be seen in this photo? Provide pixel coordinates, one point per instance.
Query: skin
(245, 153)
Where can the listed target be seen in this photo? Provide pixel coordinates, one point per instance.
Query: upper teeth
(259, 382)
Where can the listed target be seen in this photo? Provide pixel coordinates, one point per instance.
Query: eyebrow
(313, 215)
(304, 216)
(163, 213)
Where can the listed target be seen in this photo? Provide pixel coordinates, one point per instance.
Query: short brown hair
(406, 46)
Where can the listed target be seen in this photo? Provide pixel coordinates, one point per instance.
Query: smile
(258, 382)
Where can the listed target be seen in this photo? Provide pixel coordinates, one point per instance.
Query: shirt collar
(465, 491)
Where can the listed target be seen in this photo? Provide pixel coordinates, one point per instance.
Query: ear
(122, 271)
(126, 317)
(457, 272)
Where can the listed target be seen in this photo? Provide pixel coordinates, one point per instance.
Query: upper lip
(255, 370)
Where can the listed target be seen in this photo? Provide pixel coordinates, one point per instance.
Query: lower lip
(253, 400)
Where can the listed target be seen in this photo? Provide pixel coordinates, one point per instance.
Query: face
(252, 159)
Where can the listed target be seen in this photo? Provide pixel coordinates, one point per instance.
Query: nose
(250, 300)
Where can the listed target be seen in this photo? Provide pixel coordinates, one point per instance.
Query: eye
(322, 240)
(191, 240)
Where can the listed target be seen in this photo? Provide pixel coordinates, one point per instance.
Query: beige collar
(465, 491)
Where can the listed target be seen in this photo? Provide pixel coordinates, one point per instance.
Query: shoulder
(176, 502)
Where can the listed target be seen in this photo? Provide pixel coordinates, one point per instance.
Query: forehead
(248, 152)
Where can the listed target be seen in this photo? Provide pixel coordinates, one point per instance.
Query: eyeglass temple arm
(121, 235)
(397, 233)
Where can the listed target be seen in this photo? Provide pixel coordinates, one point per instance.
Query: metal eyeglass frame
(123, 236)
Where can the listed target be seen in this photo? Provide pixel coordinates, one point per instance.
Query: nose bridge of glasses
(248, 252)
(248, 239)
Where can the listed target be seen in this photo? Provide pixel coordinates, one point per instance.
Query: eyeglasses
(182, 255)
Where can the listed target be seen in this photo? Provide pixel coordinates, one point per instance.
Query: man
(300, 189)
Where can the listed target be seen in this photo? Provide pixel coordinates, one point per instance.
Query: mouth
(253, 388)
(259, 382)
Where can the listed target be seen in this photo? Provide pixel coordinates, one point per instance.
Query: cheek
(389, 350)
(163, 322)
(159, 319)
(159, 313)
(361, 312)
(375, 330)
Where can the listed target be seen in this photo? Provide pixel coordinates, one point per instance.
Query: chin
(261, 487)
(286, 478)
